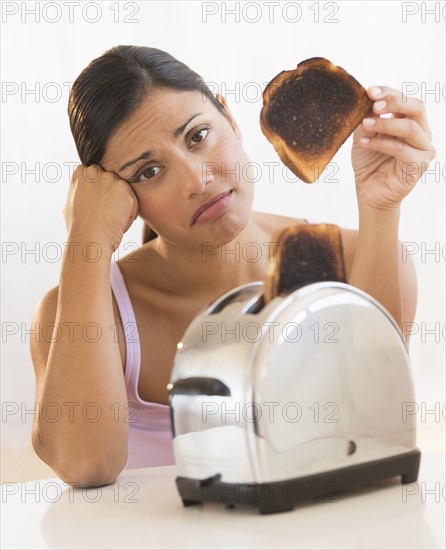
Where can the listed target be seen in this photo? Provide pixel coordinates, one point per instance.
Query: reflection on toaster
(270, 401)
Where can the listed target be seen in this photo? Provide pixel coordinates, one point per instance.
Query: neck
(210, 269)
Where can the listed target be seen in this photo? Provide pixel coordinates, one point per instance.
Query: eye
(200, 135)
(147, 173)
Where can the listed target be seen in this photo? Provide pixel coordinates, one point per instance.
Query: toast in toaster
(309, 112)
(304, 254)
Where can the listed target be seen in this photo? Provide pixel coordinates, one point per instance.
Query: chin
(229, 226)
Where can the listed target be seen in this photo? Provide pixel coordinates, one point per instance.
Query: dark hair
(110, 89)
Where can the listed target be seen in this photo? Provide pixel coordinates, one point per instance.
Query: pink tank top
(150, 435)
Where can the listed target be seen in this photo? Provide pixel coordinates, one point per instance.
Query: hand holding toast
(389, 155)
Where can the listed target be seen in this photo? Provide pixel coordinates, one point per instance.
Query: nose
(193, 177)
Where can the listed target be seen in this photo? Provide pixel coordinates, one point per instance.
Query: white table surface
(144, 510)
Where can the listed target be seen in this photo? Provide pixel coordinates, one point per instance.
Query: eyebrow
(147, 154)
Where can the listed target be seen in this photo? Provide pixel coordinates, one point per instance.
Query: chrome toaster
(294, 400)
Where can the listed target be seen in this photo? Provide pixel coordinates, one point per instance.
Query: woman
(154, 142)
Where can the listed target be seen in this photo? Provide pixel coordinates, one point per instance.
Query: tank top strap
(132, 343)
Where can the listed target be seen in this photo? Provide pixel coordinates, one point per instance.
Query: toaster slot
(257, 305)
(240, 294)
(198, 385)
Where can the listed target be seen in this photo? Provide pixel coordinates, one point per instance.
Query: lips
(209, 203)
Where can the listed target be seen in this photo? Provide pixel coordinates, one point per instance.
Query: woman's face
(178, 151)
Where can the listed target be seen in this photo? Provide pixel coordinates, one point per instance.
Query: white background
(395, 44)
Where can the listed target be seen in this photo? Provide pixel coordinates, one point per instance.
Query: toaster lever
(198, 385)
(210, 480)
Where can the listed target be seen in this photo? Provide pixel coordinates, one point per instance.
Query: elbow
(89, 473)
(92, 470)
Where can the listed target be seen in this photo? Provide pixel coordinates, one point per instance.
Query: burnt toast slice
(309, 112)
(304, 254)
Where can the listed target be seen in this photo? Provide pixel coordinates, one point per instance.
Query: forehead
(157, 117)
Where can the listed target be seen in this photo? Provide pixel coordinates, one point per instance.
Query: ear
(229, 116)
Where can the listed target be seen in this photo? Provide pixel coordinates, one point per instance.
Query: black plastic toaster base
(283, 496)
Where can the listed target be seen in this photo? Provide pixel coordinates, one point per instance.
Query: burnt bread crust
(309, 112)
(304, 254)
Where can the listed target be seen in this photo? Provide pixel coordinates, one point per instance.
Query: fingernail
(364, 140)
(376, 91)
(369, 121)
(380, 105)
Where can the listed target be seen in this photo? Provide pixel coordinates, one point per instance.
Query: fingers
(134, 214)
(398, 149)
(77, 172)
(406, 136)
(406, 129)
(89, 173)
(135, 210)
(395, 148)
(388, 100)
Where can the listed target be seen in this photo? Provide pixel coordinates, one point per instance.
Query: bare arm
(391, 150)
(374, 263)
(80, 382)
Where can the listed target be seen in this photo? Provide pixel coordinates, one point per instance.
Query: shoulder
(46, 309)
(270, 223)
(44, 316)
(134, 266)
